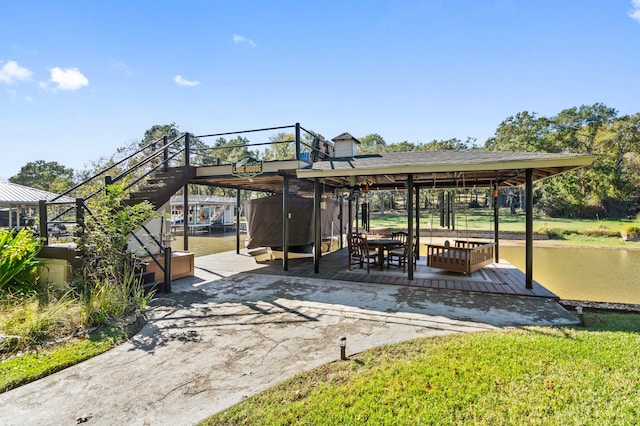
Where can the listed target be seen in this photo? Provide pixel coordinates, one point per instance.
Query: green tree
(577, 128)
(522, 132)
(453, 144)
(372, 144)
(403, 146)
(46, 175)
(283, 147)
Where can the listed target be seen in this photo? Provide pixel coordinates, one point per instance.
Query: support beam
(340, 219)
(496, 233)
(285, 223)
(44, 228)
(417, 247)
(317, 225)
(410, 226)
(185, 217)
(185, 195)
(529, 230)
(237, 221)
(349, 216)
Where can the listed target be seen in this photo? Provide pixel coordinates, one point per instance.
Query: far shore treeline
(610, 187)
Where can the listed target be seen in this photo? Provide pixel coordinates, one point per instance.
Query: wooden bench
(464, 257)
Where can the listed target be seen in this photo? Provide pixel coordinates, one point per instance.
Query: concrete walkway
(221, 337)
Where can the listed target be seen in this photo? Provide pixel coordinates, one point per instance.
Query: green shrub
(554, 233)
(18, 263)
(630, 232)
(601, 231)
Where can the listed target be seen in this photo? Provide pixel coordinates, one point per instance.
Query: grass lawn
(31, 366)
(594, 232)
(532, 375)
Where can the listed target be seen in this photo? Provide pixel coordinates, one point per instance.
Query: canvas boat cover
(264, 222)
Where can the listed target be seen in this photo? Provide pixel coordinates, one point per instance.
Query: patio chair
(401, 254)
(359, 252)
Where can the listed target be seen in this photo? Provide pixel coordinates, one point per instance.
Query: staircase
(155, 172)
(161, 185)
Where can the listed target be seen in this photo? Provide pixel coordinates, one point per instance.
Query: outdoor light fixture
(580, 316)
(343, 348)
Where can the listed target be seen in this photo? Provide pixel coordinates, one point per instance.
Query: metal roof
(12, 194)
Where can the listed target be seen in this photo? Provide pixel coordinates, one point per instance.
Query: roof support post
(496, 233)
(317, 225)
(417, 247)
(409, 259)
(237, 221)
(349, 216)
(529, 229)
(185, 217)
(340, 219)
(285, 223)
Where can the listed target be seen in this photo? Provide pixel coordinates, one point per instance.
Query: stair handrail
(102, 172)
(120, 162)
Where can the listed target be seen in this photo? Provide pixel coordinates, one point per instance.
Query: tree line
(610, 187)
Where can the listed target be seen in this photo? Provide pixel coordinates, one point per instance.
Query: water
(209, 244)
(595, 274)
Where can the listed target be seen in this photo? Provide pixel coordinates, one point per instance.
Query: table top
(383, 241)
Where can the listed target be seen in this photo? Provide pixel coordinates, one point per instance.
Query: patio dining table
(382, 244)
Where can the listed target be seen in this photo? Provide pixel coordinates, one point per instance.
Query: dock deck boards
(500, 278)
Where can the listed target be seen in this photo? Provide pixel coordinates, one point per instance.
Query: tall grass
(103, 300)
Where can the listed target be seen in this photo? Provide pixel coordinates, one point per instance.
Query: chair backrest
(400, 236)
(356, 244)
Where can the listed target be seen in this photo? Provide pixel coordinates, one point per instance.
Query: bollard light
(580, 315)
(343, 348)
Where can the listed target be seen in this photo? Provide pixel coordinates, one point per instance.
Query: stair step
(134, 201)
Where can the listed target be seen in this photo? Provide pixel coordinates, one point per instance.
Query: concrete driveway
(220, 338)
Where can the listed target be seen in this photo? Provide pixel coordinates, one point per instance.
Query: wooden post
(79, 217)
(317, 225)
(340, 219)
(410, 226)
(496, 233)
(285, 223)
(43, 222)
(417, 247)
(529, 229)
(167, 269)
(185, 198)
(349, 216)
(237, 221)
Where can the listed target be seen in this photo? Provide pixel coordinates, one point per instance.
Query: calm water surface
(596, 274)
(601, 275)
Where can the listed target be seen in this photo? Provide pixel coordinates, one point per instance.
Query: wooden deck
(501, 278)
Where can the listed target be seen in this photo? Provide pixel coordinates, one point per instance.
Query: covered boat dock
(338, 171)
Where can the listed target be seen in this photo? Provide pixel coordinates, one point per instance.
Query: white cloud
(238, 39)
(67, 79)
(183, 82)
(11, 72)
(635, 12)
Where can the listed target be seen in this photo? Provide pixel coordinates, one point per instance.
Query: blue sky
(78, 79)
